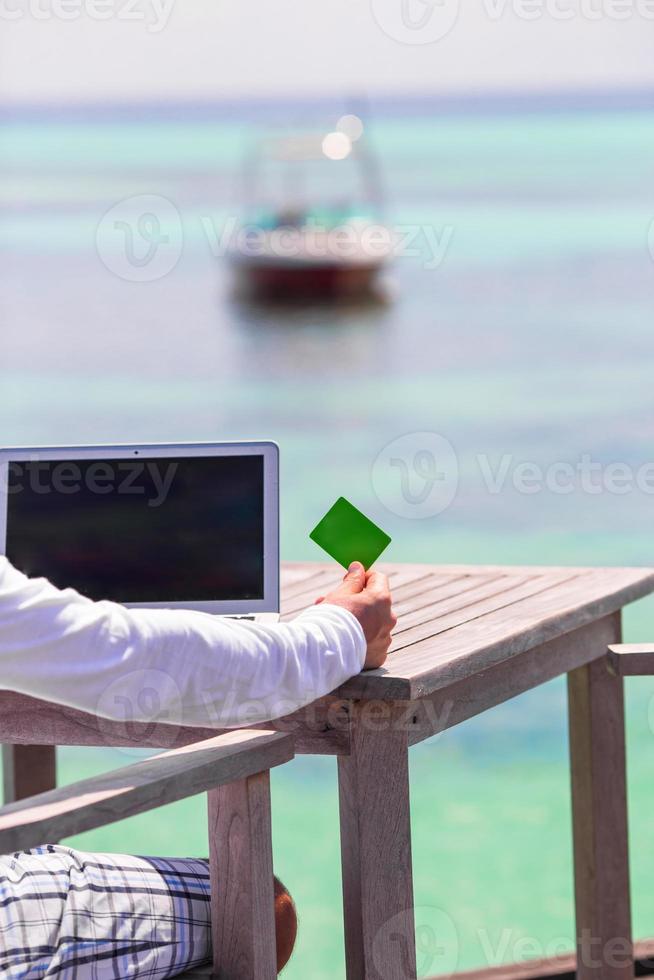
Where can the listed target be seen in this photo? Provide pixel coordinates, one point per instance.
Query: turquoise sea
(531, 342)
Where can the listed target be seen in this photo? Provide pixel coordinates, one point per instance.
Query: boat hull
(308, 281)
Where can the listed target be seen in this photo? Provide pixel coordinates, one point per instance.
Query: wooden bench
(233, 769)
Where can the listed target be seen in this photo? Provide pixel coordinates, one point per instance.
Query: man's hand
(367, 596)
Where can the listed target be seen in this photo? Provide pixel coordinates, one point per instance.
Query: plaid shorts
(77, 916)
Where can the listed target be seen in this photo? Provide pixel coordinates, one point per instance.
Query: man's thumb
(355, 579)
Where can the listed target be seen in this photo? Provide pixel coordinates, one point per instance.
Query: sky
(126, 50)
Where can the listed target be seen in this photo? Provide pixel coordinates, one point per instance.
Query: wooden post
(242, 891)
(376, 845)
(28, 770)
(600, 831)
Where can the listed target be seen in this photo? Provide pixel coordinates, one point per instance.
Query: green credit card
(348, 535)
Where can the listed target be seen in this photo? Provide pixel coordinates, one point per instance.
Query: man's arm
(180, 666)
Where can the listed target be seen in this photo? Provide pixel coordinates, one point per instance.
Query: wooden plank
(632, 659)
(28, 770)
(312, 585)
(411, 599)
(409, 590)
(291, 575)
(142, 786)
(471, 696)
(376, 849)
(438, 611)
(492, 599)
(441, 659)
(556, 968)
(317, 729)
(290, 568)
(400, 580)
(600, 830)
(560, 967)
(242, 890)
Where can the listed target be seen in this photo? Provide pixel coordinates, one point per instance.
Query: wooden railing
(234, 771)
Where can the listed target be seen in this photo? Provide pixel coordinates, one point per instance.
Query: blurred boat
(297, 250)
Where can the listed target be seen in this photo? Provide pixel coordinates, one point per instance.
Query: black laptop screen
(141, 530)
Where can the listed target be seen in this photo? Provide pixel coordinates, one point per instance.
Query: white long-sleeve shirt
(169, 665)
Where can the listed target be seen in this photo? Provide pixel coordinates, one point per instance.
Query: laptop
(183, 526)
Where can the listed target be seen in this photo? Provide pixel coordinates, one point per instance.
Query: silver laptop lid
(192, 526)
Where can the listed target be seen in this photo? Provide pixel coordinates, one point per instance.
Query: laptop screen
(165, 529)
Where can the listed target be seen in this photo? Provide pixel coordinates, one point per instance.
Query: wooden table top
(457, 625)
(455, 620)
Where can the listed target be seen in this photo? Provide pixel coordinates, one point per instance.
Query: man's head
(285, 924)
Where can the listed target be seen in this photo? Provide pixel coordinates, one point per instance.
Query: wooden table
(468, 638)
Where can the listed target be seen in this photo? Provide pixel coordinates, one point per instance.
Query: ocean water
(529, 342)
